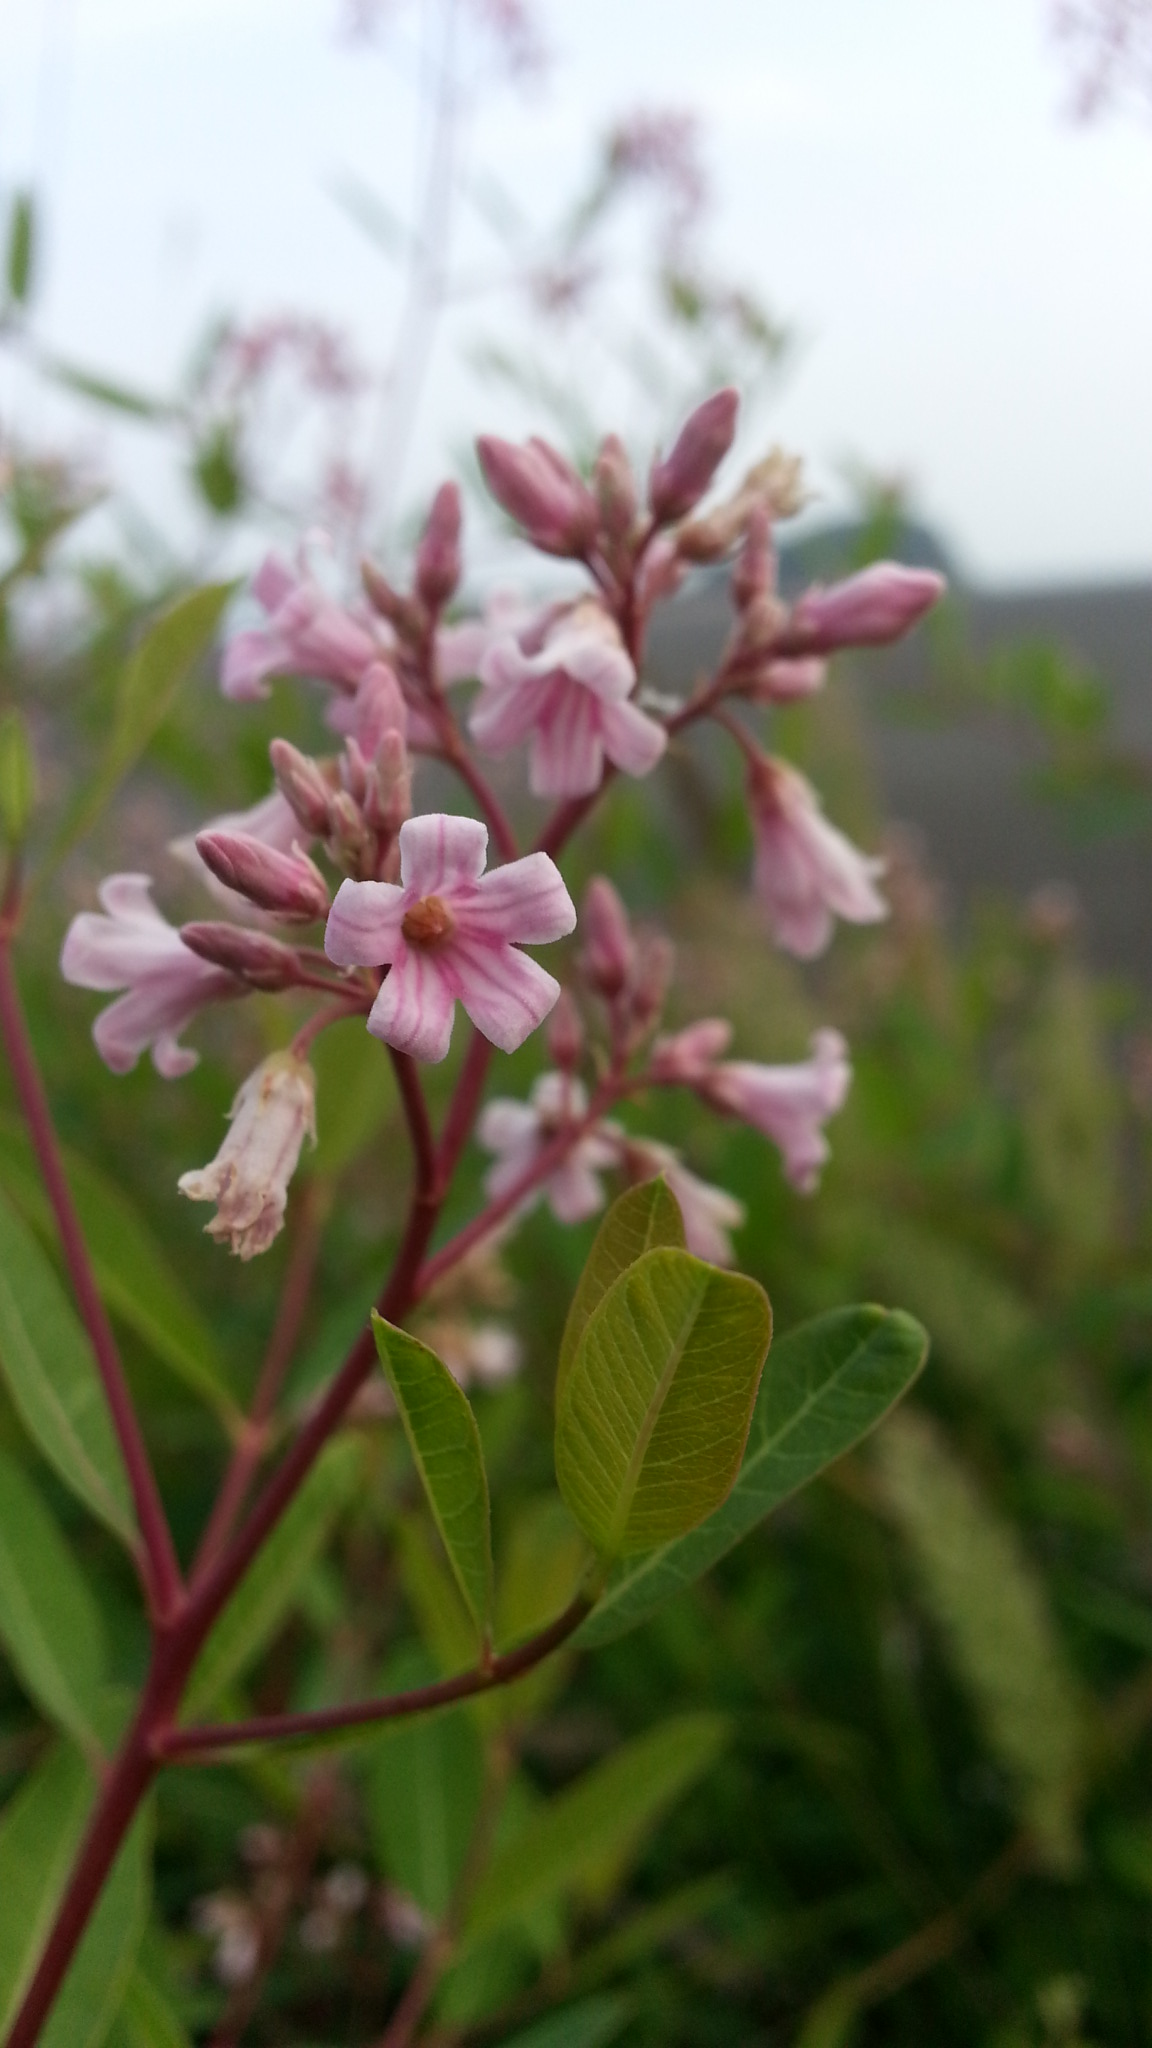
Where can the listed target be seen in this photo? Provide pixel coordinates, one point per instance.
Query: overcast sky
(967, 271)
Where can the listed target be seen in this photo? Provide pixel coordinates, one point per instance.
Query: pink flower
(806, 871)
(449, 932)
(132, 947)
(308, 634)
(518, 1132)
(566, 683)
(866, 610)
(690, 1056)
(789, 1104)
(709, 1213)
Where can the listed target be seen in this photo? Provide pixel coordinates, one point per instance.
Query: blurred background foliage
(883, 1777)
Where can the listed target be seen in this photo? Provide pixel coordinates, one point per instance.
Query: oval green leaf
(49, 1622)
(51, 1373)
(641, 1220)
(658, 1401)
(826, 1385)
(445, 1442)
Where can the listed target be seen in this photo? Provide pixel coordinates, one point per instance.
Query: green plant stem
(157, 1562)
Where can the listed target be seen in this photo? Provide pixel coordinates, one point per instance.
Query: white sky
(970, 273)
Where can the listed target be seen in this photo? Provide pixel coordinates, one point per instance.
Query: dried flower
(272, 1115)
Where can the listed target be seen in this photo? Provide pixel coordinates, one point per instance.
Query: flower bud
(260, 960)
(438, 556)
(689, 1055)
(566, 1034)
(389, 799)
(615, 487)
(349, 837)
(609, 954)
(400, 612)
(286, 883)
(248, 1179)
(787, 681)
(654, 969)
(302, 782)
(866, 610)
(754, 575)
(541, 492)
(681, 479)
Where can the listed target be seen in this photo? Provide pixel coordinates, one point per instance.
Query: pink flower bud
(286, 883)
(404, 616)
(541, 492)
(689, 1055)
(866, 610)
(438, 556)
(615, 487)
(609, 954)
(787, 681)
(754, 575)
(566, 1034)
(680, 481)
(260, 960)
(302, 782)
(652, 980)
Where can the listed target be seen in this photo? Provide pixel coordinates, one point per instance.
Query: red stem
(188, 1744)
(158, 1565)
(416, 1112)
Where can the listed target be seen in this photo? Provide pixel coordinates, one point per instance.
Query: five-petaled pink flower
(566, 682)
(806, 872)
(131, 947)
(519, 1132)
(449, 933)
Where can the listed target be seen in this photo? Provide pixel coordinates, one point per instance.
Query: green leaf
(139, 405)
(271, 1584)
(431, 1592)
(642, 1220)
(424, 1787)
(601, 1819)
(40, 1831)
(990, 1606)
(21, 248)
(445, 1442)
(825, 1386)
(355, 1092)
(132, 1272)
(658, 1400)
(149, 686)
(49, 1622)
(146, 2018)
(93, 1991)
(591, 2024)
(51, 1373)
(17, 777)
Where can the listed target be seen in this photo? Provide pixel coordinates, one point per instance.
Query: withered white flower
(248, 1179)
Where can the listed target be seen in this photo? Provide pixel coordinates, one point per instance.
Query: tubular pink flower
(449, 933)
(789, 1104)
(131, 947)
(805, 870)
(308, 634)
(517, 1132)
(866, 610)
(248, 1180)
(566, 685)
(709, 1212)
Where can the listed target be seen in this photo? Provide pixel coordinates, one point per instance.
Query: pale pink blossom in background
(690, 1056)
(564, 684)
(875, 606)
(450, 933)
(789, 1104)
(131, 946)
(518, 1132)
(710, 1213)
(308, 634)
(806, 872)
(272, 1115)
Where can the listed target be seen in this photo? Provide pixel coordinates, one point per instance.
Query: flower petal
(440, 852)
(567, 753)
(416, 1005)
(505, 993)
(632, 740)
(363, 928)
(524, 902)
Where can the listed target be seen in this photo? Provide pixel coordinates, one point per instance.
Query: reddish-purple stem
(158, 1563)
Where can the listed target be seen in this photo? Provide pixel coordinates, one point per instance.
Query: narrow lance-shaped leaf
(642, 1220)
(49, 1622)
(51, 1373)
(825, 1386)
(98, 1977)
(424, 1786)
(445, 1442)
(132, 1272)
(40, 1831)
(270, 1586)
(601, 1819)
(590, 2024)
(658, 1401)
(21, 248)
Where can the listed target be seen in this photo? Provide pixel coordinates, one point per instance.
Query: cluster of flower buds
(415, 921)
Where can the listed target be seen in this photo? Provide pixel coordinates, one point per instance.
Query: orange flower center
(428, 922)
